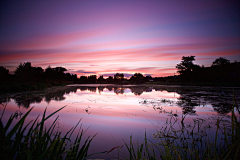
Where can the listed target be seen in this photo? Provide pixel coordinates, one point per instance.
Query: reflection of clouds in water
(105, 107)
(188, 98)
(109, 112)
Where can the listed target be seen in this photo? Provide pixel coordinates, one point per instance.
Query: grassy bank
(34, 141)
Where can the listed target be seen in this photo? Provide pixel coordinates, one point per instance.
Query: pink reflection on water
(113, 116)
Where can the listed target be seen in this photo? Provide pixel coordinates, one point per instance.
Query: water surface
(116, 112)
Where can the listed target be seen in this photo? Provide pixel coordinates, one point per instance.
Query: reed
(190, 142)
(38, 142)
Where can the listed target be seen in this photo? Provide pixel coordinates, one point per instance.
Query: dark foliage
(118, 77)
(187, 65)
(221, 71)
(26, 78)
(92, 78)
(138, 78)
(3, 72)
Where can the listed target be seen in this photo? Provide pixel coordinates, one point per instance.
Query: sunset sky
(104, 37)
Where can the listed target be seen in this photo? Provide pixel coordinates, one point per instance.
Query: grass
(191, 142)
(39, 142)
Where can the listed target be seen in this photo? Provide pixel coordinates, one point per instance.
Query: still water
(117, 112)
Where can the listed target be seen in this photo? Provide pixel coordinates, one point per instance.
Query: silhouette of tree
(70, 77)
(138, 78)
(60, 69)
(101, 79)
(187, 65)
(74, 76)
(27, 72)
(59, 72)
(220, 62)
(110, 79)
(56, 73)
(83, 79)
(49, 73)
(3, 72)
(49, 69)
(149, 78)
(92, 78)
(22, 68)
(118, 77)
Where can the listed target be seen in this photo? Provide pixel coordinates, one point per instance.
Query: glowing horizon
(106, 37)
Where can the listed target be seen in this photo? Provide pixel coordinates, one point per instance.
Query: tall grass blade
(21, 121)
(48, 117)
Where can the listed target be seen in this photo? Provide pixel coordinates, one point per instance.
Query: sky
(121, 36)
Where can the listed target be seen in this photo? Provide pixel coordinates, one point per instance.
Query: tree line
(27, 77)
(118, 78)
(221, 71)
(27, 73)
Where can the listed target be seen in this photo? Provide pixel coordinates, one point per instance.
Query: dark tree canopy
(220, 62)
(60, 69)
(118, 76)
(3, 72)
(101, 78)
(110, 78)
(186, 65)
(92, 78)
(83, 78)
(138, 75)
(26, 71)
(137, 78)
(22, 68)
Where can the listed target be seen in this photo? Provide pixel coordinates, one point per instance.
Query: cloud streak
(127, 37)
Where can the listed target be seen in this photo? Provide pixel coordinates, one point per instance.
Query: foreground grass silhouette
(39, 142)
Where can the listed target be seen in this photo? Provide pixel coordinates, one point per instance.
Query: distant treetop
(220, 62)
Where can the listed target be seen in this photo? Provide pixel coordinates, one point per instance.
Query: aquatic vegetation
(38, 142)
(190, 141)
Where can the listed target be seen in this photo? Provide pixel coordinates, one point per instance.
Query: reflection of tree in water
(118, 90)
(83, 88)
(188, 100)
(110, 88)
(26, 101)
(222, 107)
(136, 90)
(92, 89)
(220, 100)
(100, 89)
(58, 94)
(187, 105)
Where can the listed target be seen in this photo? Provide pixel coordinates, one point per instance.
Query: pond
(116, 112)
